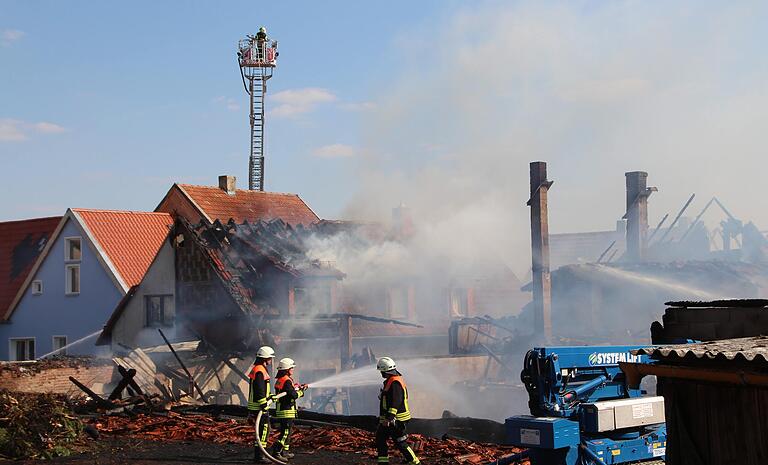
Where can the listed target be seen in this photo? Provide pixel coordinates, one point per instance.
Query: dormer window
(72, 249)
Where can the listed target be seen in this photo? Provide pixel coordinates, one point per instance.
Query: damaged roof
(213, 203)
(21, 243)
(751, 350)
(238, 252)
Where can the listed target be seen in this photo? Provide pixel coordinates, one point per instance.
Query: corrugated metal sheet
(749, 349)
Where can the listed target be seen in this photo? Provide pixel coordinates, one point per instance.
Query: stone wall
(41, 377)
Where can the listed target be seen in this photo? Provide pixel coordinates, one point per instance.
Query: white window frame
(37, 282)
(53, 344)
(67, 290)
(67, 258)
(12, 347)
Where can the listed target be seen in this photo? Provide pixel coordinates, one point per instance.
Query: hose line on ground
(258, 439)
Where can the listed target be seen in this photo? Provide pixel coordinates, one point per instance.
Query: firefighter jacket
(286, 405)
(394, 399)
(260, 390)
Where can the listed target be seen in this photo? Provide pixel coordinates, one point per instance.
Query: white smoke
(596, 89)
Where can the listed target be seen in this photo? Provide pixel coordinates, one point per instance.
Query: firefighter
(285, 410)
(259, 395)
(393, 413)
(261, 36)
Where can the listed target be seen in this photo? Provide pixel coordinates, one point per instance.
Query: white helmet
(265, 352)
(286, 364)
(385, 364)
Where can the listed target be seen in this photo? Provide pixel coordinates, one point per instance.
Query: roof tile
(248, 205)
(130, 239)
(21, 242)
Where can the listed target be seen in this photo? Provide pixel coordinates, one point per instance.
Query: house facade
(90, 262)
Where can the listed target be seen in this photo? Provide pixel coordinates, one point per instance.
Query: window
(159, 310)
(459, 303)
(37, 287)
(23, 349)
(398, 302)
(72, 250)
(72, 285)
(316, 299)
(59, 342)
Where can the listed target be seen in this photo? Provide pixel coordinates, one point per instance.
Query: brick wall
(55, 380)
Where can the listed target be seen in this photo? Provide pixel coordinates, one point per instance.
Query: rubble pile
(36, 426)
(175, 426)
(50, 363)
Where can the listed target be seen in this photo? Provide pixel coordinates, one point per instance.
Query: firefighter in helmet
(261, 36)
(393, 413)
(259, 396)
(285, 410)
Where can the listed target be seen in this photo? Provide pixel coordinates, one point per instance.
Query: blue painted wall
(56, 314)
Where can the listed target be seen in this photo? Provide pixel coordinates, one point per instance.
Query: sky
(106, 104)
(437, 104)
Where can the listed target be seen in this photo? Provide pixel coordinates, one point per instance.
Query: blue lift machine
(583, 412)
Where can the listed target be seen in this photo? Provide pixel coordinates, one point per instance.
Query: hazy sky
(438, 104)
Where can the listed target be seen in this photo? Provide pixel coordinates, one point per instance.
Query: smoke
(595, 89)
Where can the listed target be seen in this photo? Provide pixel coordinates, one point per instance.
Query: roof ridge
(27, 220)
(136, 212)
(244, 190)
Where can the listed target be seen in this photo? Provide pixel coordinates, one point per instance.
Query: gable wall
(178, 204)
(160, 279)
(55, 314)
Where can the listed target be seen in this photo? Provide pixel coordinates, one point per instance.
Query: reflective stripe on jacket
(394, 404)
(286, 405)
(260, 390)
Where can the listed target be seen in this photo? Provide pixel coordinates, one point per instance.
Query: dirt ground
(121, 451)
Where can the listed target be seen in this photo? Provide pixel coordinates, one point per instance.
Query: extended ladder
(257, 88)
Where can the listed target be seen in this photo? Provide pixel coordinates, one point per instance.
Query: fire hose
(258, 439)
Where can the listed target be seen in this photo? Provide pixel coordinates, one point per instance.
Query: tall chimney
(402, 221)
(542, 285)
(637, 214)
(228, 184)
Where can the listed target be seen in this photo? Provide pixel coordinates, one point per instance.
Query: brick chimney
(228, 184)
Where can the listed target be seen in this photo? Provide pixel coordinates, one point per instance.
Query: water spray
(60, 349)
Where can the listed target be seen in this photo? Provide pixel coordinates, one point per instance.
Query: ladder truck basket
(254, 53)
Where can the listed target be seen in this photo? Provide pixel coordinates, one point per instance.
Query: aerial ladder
(257, 59)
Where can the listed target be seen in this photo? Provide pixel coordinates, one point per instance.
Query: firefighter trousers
(284, 440)
(397, 433)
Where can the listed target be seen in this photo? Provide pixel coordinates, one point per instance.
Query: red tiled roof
(130, 239)
(21, 242)
(248, 205)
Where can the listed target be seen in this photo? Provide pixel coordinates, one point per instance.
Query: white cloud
(228, 102)
(334, 151)
(10, 130)
(14, 130)
(10, 36)
(48, 128)
(294, 102)
(358, 106)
